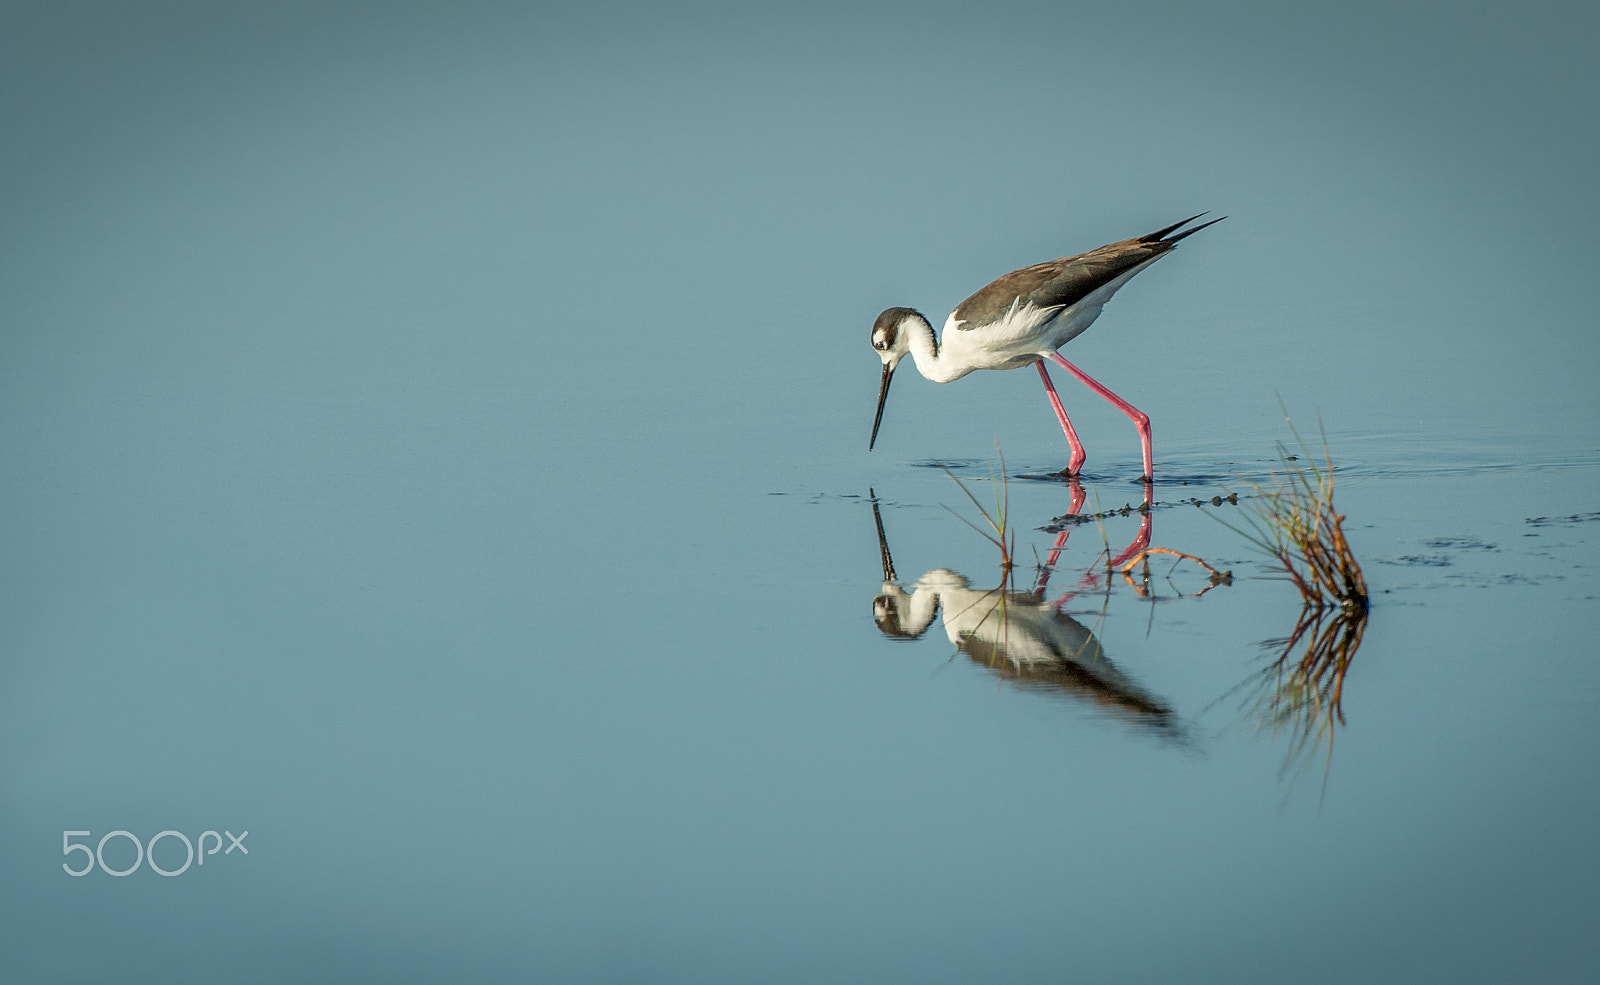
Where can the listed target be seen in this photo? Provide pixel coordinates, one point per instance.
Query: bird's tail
(1160, 235)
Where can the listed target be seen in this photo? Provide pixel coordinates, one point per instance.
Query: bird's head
(892, 341)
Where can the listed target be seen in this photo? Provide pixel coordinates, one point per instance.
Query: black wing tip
(1160, 235)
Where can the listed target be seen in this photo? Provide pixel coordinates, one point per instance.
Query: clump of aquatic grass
(1293, 521)
(999, 533)
(1004, 538)
(1301, 688)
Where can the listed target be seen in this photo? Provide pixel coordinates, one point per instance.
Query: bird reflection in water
(1020, 636)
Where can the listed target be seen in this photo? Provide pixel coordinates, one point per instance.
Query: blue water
(436, 445)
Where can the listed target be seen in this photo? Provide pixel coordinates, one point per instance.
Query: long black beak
(883, 394)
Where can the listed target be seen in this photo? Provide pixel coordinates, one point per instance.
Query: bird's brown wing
(1068, 280)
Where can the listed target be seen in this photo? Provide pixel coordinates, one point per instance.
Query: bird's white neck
(926, 353)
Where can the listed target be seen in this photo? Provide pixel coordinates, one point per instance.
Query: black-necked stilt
(1022, 318)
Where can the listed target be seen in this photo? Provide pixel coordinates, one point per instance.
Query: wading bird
(1023, 318)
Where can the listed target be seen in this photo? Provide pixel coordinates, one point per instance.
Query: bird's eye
(880, 344)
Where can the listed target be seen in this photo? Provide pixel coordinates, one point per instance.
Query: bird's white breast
(1013, 340)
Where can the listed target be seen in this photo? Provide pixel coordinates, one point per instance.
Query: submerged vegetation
(1142, 586)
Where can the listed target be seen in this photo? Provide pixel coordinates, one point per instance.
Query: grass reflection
(1299, 693)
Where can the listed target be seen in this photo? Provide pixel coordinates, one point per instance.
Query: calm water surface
(440, 452)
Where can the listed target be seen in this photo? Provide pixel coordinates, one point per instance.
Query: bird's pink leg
(1075, 463)
(1141, 420)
